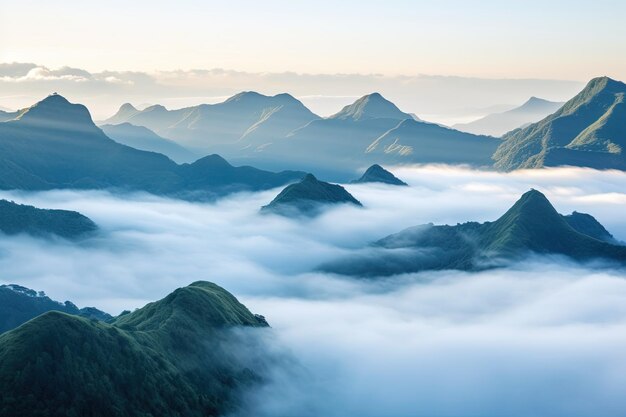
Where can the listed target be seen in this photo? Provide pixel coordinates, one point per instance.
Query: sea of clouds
(546, 337)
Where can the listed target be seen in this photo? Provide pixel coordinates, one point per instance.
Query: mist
(543, 337)
(435, 98)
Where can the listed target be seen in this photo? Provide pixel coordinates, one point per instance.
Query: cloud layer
(435, 98)
(546, 337)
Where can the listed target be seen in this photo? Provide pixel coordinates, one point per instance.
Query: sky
(497, 39)
(447, 61)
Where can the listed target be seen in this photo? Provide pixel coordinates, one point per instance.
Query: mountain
(55, 144)
(19, 304)
(7, 115)
(142, 138)
(17, 218)
(189, 354)
(588, 225)
(371, 106)
(497, 124)
(308, 197)
(376, 173)
(589, 130)
(413, 141)
(531, 225)
(246, 120)
(374, 130)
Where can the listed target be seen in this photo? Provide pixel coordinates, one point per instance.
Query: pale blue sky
(505, 39)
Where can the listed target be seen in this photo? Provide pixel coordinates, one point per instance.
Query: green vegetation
(532, 225)
(308, 197)
(376, 173)
(18, 218)
(19, 304)
(589, 130)
(175, 357)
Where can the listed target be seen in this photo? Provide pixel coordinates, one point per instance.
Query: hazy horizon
(447, 62)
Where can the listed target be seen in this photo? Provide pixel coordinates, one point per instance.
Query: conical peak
(56, 112)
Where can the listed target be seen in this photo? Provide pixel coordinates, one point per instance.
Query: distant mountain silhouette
(497, 124)
(247, 120)
(142, 138)
(55, 144)
(371, 106)
(413, 141)
(532, 225)
(7, 115)
(589, 130)
(374, 130)
(308, 197)
(189, 354)
(17, 218)
(19, 304)
(376, 173)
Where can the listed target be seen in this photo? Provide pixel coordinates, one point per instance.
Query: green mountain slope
(376, 173)
(54, 144)
(308, 197)
(175, 357)
(19, 304)
(17, 218)
(589, 130)
(531, 225)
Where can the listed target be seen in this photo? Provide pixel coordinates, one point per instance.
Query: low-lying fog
(542, 338)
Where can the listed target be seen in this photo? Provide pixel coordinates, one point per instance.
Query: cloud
(544, 337)
(435, 98)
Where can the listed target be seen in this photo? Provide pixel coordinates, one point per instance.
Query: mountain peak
(56, 112)
(371, 106)
(534, 202)
(245, 95)
(603, 84)
(376, 173)
(202, 303)
(307, 197)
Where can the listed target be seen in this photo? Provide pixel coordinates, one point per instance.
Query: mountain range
(18, 218)
(309, 197)
(280, 133)
(19, 304)
(530, 226)
(180, 356)
(246, 120)
(55, 144)
(497, 124)
(589, 130)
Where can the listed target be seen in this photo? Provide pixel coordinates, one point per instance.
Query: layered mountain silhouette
(308, 197)
(589, 130)
(18, 218)
(246, 120)
(55, 144)
(279, 132)
(19, 304)
(7, 115)
(180, 356)
(421, 142)
(376, 173)
(142, 138)
(531, 226)
(374, 130)
(497, 124)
